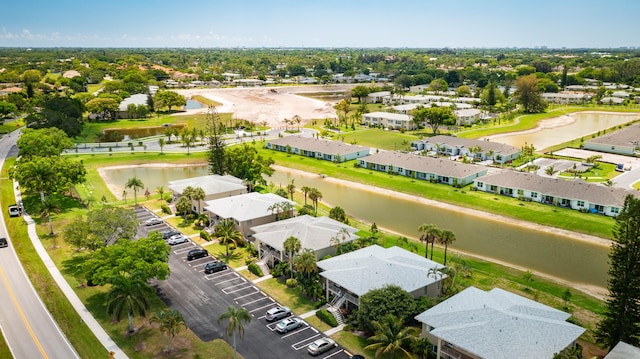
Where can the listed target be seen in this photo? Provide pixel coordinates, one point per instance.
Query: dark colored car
(196, 253)
(169, 233)
(215, 266)
(3, 242)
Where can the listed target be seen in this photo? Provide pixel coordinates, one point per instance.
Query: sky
(320, 23)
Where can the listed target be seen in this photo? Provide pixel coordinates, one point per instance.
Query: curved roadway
(27, 326)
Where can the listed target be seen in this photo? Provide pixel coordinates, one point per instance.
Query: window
(534, 194)
(479, 184)
(615, 210)
(520, 192)
(580, 203)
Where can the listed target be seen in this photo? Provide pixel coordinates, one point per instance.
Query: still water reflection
(556, 255)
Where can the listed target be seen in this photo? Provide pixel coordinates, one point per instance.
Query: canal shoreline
(593, 290)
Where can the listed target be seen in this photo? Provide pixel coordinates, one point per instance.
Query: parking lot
(202, 298)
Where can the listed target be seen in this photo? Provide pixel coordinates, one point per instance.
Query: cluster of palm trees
(304, 261)
(393, 336)
(296, 120)
(432, 234)
(190, 194)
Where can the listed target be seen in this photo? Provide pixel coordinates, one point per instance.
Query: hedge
(253, 268)
(327, 317)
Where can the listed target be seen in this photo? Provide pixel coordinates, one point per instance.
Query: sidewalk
(91, 322)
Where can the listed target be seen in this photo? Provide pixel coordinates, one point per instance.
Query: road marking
(336, 353)
(266, 306)
(244, 282)
(21, 313)
(224, 281)
(257, 300)
(298, 330)
(298, 346)
(246, 295)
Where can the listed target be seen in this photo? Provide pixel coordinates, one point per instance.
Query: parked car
(277, 313)
(196, 253)
(288, 324)
(215, 266)
(177, 239)
(3, 242)
(169, 233)
(153, 221)
(14, 211)
(320, 346)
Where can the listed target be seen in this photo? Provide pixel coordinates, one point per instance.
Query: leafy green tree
(43, 142)
(101, 227)
(235, 316)
(438, 85)
(136, 184)
(47, 175)
(227, 233)
(528, 94)
(391, 335)
(434, 116)
(170, 322)
(183, 205)
(338, 214)
(245, 163)
(377, 303)
(360, 92)
(31, 76)
(292, 246)
(7, 108)
(216, 152)
(463, 91)
(105, 108)
(169, 99)
(622, 313)
(130, 296)
(306, 262)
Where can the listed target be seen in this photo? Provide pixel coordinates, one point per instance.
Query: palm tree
(161, 143)
(446, 238)
(306, 262)
(291, 188)
(235, 316)
(315, 196)
(47, 206)
(136, 184)
(170, 323)
(198, 195)
(296, 119)
(305, 190)
(128, 295)
(226, 233)
(291, 245)
(390, 336)
(160, 191)
(550, 171)
(429, 234)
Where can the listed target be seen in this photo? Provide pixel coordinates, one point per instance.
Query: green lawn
(290, 297)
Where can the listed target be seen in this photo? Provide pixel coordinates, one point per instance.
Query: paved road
(202, 298)
(27, 326)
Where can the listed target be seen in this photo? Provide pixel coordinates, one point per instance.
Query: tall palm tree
(160, 191)
(390, 336)
(446, 238)
(161, 143)
(291, 188)
(235, 316)
(306, 262)
(49, 205)
(171, 321)
(305, 190)
(227, 233)
(292, 246)
(315, 196)
(429, 234)
(136, 184)
(128, 295)
(198, 195)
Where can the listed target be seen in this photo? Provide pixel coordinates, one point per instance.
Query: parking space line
(246, 295)
(244, 281)
(298, 346)
(228, 280)
(336, 353)
(306, 326)
(239, 289)
(272, 326)
(266, 306)
(257, 300)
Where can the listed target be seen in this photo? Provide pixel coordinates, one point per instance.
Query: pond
(192, 105)
(572, 126)
(126, 134)
(546, 252)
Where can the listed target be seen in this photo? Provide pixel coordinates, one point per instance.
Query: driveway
(624, 180)
(202, 298)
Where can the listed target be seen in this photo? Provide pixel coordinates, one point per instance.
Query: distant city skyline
(322, 24)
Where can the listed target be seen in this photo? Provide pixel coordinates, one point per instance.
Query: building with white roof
(247, 210)
(475, 324)
(623, 142)
(316, 233)
(352, 275)
(623, 350)
(334, 151)
(139, 99)
(214, 186)
(390, 120)
(458, 146)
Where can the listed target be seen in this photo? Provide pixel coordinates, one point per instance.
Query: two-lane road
(27, 326)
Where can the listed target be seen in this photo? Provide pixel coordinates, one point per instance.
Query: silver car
(320, 346)
(288, 324)
(177, 239)
(277, 313)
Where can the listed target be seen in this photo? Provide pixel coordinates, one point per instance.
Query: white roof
(313, 232)
(375, 267)
(467, 112)
(623, 350)
(498, 325)
(387, 115)
(211, 184)
(137, 99)
(246, 206)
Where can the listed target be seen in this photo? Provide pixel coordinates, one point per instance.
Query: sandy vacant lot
(259, 104)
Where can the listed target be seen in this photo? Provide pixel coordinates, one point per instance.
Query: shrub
(326, 317)
(205, 235)
(165, 209)
(253, 268)
(319, 303)
(291, 283)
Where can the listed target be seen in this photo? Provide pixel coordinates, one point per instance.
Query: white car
(320, 346)
(177, 239)
(153, 221)
(288, 324)
(276, 313)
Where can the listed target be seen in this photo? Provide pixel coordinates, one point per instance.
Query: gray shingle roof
(627, 137)
(375, 267)
(500, 325)
(313, 232)
(211, 184)
(623, 350)
(486, 146)
(318, 145)
(439, 166)
(570, 189)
